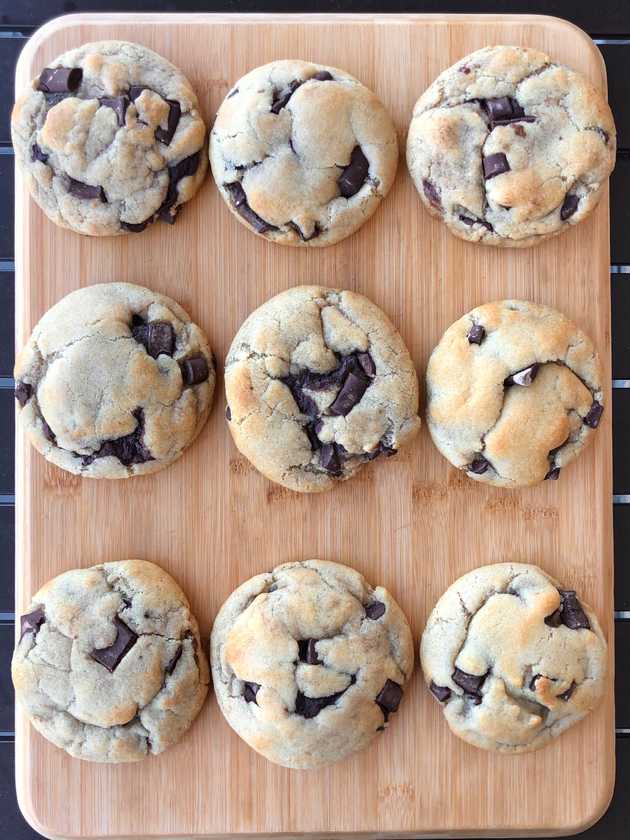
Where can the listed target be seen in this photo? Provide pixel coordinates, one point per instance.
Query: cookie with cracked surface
(514, 658)
(302, 153)
(514, 393)
(509, 148)
(110, 138)
(109, 665)
(318, 382)
(114, 381)
(309, 662)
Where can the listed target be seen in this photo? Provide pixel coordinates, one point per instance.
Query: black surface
(599, 19)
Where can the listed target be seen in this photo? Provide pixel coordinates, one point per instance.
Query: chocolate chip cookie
(514, 658)
(110, 138)
(510, 148)
(309, 662)
(514, 393)
(318, 382)
(115, 381)
(302, 154)
(109, 665)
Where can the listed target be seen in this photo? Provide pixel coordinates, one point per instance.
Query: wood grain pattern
(412, 524)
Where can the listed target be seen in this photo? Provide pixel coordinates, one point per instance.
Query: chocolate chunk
(176, 657)
(118, 104)
(31, 622)
(316, 231)
(350, 394)
(353, 176)
(166, 135)
(37, 154)
(473, 220)
(322, 76)
(594, 415)
(310, 707)
(553, 474)
(569, 206)
(60, 79)
(573, 616)
(441, 692)
(329, 459)
(523, 377)
(136, 228)
(53, 99)
(307, 652)
(81, 190)
(478, 466)
(228, 413)
(111, 657)
(23, 392)
(194, 370)
(499, 108)
(432, 194)
(311, 434)
(250, 690)
(566, 695)
(533, 681)
(375, 610)
(471, 683)
(302, 400)
(367, 363)
(157, 337)
(129, 449)
(555, 619)
(476, 334)
(280, 100)
(389, 698)
(494, 165)
(135, 91)
(184, 169)
(239, 200)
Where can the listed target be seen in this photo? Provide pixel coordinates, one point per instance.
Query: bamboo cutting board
(412, 524)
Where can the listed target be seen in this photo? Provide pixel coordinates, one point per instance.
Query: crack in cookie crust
(537, 678)
(301, 153)
(309, 662)
(103, 707)
(318, 382)
(509, 148)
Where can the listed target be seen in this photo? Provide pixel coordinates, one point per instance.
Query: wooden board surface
(412, 524)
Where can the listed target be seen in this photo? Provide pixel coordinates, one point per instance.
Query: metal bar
(7, 617)
(617, 383)
(622, 615)
(7, 499)
(7, 265)
(623, 499)
(6, 382)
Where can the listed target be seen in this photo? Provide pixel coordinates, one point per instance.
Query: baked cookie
(302, 153)
(318, 382)
(110, 138)
(514, 393)
(514, 658)
(115, 381)
(510, 148)
(109, 665)
(308, 662)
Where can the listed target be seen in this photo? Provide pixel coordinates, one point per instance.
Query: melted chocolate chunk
(310, 707)
(573, 616)
(250, 690)
(307, 652)
(31, 622)
(375, 610)
(37, 154)
(194, 370)
(316, 231)
(281, 99)
(474, 220)
(166, 135)
(353, 176)
(478, 466)
(555, 619)
(23, 392)
(156, 336)
(129, 449)
(389, 698)
(86, 191)
(112, 656)
(471, 683)
(60, 79)
(311, 434)
(330, 460)
(476, 334)
(569, 206)
(432, 194)
(176, 657)
(533, 681)
(322, 76)
(176, 173)
(239, 200)
(494, 165)
(136, 228)
(594, 415)
(566, 695)
(350, 394)
(135, 91)
(523, 377)
(118, 104)
(504, 110)
(553, 474)
(441, 692)
(228, 413)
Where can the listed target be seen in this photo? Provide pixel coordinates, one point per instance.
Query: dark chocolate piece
(367, 363)
(307, 652)
(118, 104)
(569, 206)
(375, 610)
(353, 176)
(228, 413)
(479, 465)
(322, 76)
(250, 690)
(311, 434)
(594, 415)
(523, 377)
(310, 707)
(494, 165)
(129, 449)
(60, 79)
(111, 657)
(136, 228)
(23, 392)
(194, 370)
(389, 698)
(176, 657)
(184, 169)
(441, 692)
(432, 194)
(471, 683)
(350, 394)
(37, 154)
(555, 619)
(566, 695)
(499, 108)
(280, 100)
(476, 334)
(31, 622)
(135, 91)
(329, 459)
(316, 231)
(165, 135)
(553, 474)
(239, 200)
(573, 616)
(474, 220)
(87, 191)
(157, 337)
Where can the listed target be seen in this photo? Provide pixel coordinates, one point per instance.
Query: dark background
(608, 22)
